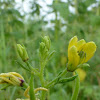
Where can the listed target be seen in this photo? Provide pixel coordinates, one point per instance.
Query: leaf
(64, 80)
(4, 88)
(23, 66)
(51, 54)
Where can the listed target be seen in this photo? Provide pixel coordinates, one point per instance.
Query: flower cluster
(44, 47)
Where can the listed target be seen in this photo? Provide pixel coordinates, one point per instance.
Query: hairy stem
(42, 79)
(31, 91)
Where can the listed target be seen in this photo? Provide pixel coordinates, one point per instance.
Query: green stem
(98, 9)
(26, 35)
(28, 65)
(31, 91)
(25, 85)
(56, 26)
(76, 89)
(13, 93)
(56, 22)
(31, 68)
(3, 46)
(76, 6)
(41, 75)
(42, 79)
(53, 81)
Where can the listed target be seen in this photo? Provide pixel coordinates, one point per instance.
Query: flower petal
(89, 48)
(80, 44)
(73, 58)
(73, 41)
(81, 73)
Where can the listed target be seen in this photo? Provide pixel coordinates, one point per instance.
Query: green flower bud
(22, 52)
(47, 42)
(43, 51)
(42, 48)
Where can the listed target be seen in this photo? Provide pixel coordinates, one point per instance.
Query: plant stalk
(31, 91)
(42, 79)
(76, 89)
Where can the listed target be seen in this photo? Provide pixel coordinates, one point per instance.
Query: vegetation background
(61, 20)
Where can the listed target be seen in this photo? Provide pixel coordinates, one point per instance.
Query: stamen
(82, 55)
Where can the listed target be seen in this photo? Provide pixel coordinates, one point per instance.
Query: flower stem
(41, 74)
(31, 91)
(53, 81)
(76, 89)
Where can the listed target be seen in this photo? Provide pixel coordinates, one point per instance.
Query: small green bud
(42, 47)
(83, 65)
(22, 52)
(47, 42)
(43, 51)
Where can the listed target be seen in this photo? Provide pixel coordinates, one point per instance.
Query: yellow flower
(11, 78)
(79, 52)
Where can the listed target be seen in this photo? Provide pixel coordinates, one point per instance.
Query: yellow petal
(73, 41)
(26, 92)
(73, 58)
(89, 48)
(7, 80)
(16, 74)
(80, 44)
(81, 73)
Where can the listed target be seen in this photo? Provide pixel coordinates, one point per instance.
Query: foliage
(27, 29)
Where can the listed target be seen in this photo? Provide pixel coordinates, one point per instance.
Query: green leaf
(3, 88)
(64, 80)
(51, 54)
(23, 66)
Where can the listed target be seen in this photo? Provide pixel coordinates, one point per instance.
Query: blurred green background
(25, 21)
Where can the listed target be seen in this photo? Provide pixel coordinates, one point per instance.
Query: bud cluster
(44, 47)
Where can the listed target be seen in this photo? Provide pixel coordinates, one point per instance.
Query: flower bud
(47, 42)
(22, 52)
(43, 50)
